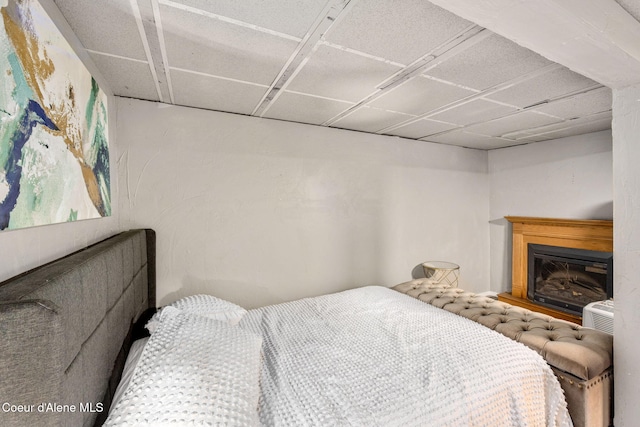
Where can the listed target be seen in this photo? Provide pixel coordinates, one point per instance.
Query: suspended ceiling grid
(409, 68)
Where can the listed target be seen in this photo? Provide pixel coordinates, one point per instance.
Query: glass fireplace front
(567, 279)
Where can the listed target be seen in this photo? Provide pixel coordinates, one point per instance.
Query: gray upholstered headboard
(65, 328)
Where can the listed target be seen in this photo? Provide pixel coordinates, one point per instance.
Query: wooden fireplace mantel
(595, 235)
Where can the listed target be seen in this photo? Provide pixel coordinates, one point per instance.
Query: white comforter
(194, 370)
(375, 357)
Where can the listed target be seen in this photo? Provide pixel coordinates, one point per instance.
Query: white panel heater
(599, 315)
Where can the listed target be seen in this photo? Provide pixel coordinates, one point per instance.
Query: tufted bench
(582, 358)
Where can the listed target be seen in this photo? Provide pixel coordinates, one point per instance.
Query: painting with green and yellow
(54, 150)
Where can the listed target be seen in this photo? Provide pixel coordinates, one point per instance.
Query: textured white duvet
(193, 371)
(375, 357)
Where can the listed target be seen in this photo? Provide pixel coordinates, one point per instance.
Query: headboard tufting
(66, 325)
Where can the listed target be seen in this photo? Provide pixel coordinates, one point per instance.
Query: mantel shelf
(561, 222)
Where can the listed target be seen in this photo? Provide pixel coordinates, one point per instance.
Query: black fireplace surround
(567, 279)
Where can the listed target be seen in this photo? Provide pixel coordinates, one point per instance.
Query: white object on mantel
(599, 315)
(441, 272)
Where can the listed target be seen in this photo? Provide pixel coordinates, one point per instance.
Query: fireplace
(567, 279)
(585, 234)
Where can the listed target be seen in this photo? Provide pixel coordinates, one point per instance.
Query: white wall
(23, 249)
(626, 246)
(563, 178)
(28, 248)
(260, 211)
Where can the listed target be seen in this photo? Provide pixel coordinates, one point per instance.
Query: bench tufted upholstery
(582, 358)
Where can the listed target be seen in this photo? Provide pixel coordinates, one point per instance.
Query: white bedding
(194, 370)
(129, 367)
(366, 357)
(375, 357)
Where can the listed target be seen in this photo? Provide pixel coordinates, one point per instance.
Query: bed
(369, 356)
(581, 358)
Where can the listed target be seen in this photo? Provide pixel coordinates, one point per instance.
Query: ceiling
(405, 68)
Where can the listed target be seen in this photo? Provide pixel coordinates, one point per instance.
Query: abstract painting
(54, 151)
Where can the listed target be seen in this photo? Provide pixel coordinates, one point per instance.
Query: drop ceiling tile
(580, 105)
(305, 109)
(92, 21)
(368, 119)
(421, 128)
(520, 121)
(291, 17)
(420, 95)
(492, 61)
(558, 126)
(471, 140)
(478, 110)
(334, 73)
(127, 78)
(400, 31)
(214, 94)
(198, 43)
(547, 86)
(544, 131)
(588, 127)
(531, 132)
